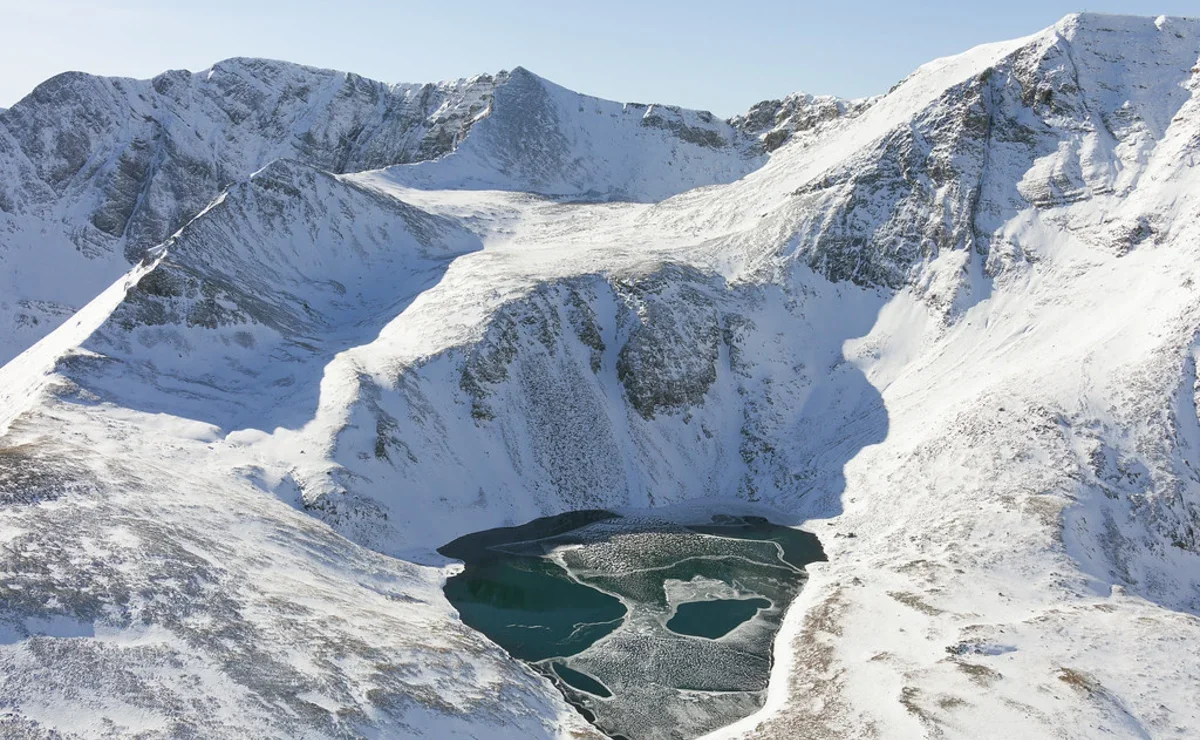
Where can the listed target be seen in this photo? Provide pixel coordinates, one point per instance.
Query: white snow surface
(95, 170)
(955, 334)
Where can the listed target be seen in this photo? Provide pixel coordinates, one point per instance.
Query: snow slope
(580, 147)
(93, 170)
(952, 330)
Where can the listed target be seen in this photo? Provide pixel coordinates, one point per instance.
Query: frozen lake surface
(652, 627)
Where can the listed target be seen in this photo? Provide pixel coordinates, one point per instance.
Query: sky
(718, 56)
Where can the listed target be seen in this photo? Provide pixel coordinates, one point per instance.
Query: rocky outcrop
(1042, 127)
(774, 122)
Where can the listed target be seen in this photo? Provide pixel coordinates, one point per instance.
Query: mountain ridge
(953, 332)
(135, 159)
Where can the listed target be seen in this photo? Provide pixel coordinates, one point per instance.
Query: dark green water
(581, 681)
(532, 608)
(714, 618)
(636, 618)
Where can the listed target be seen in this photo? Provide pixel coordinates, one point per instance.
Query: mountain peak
(1118, 29)
(952, 329)
(259, 63)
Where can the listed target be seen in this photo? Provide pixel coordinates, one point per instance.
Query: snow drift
(951, 329)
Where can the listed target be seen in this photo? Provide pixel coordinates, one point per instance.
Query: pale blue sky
(721, 56)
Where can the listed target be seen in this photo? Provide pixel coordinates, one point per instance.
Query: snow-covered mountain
(952, 329)
(94, 171)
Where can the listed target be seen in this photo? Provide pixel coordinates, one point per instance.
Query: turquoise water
(714, 618)
(636, 618)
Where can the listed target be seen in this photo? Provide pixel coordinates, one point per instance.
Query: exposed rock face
(1036, 128)
(774, 122)
(670, 359)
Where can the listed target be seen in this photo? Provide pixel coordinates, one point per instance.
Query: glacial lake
(651, 627)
